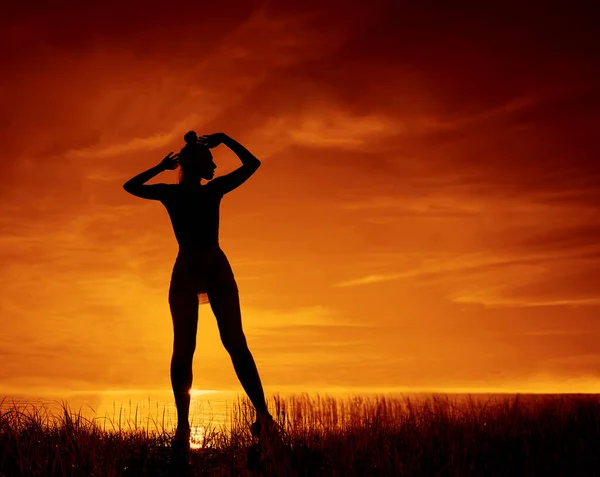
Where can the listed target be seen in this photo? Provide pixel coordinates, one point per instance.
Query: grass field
(435, 435)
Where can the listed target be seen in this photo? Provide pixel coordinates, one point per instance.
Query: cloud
(370, 279)
(267, 321)
(578, 236)
(336, 129)
(440, 206)
(499, 302)
(134, 145)
(538, 277)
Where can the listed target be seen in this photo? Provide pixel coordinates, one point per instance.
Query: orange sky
(426, 213)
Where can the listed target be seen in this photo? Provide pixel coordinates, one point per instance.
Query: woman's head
(195, 160)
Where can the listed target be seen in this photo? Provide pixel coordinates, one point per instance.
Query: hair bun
(190, 137)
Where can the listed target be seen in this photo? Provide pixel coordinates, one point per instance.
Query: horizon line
(546, 388)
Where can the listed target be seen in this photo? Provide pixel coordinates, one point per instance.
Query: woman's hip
(201, 270)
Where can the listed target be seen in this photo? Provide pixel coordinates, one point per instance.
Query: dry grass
(434, 435)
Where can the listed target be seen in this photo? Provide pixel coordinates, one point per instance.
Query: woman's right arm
(250, 163)
(137, 185)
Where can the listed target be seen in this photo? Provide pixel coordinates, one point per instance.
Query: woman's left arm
(137, 185)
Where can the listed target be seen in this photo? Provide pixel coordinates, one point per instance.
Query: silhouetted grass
(434, 435)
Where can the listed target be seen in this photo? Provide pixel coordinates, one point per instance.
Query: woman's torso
(194, 214)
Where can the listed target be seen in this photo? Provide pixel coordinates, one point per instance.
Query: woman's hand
(212, 140)
(170, 161)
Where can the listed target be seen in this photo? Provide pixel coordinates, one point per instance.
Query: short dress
(201, 267)
(201, 272)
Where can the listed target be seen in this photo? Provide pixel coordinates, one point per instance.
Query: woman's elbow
(129, 188)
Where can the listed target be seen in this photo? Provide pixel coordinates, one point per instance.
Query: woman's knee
(183, 352)
(234, 343)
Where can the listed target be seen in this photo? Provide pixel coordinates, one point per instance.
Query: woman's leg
(225, 304)
(184, 312)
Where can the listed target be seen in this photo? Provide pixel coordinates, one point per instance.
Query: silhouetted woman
(202, 272)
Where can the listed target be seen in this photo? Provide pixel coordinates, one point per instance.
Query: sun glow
(202, 392)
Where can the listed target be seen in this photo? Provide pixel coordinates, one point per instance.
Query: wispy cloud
(370, 279)
(499, 302)
(559, 332)
(135, 145)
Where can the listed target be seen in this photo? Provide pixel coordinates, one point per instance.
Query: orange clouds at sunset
(425, 216)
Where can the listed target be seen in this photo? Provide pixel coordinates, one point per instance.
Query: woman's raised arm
(137, 185)
(234, 179)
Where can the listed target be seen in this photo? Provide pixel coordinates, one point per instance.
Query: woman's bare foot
(180, 449)
(264, 427)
